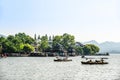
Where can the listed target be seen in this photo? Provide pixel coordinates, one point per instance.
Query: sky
(85, 19)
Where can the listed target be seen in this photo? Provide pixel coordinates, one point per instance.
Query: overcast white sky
(85, 19)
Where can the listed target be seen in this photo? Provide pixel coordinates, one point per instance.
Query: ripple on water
(44, 68)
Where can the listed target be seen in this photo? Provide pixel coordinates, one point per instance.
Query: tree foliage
(56, 43)
(15, 43)
(24, 38)
(63, 42)
(24, 43)
(44, 43)
(87, 50)
(79, 50)
(27, 48)
(67, 41)
(90, 49)
(0, 49)
(94, 48)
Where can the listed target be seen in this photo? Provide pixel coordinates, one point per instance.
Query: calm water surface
(44, 68)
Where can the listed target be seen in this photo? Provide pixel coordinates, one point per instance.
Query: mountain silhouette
(108, 46)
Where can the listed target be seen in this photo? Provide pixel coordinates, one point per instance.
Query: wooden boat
(99, 62)
(62, 60)
(65, 59)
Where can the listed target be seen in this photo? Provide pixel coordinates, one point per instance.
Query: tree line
(22, 43)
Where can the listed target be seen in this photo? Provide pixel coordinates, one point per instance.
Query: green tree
(90, 49)
(8, 47)
(79, 50)
(28, 48)
(94, 48)
(0, 48)
(10, 38)
(22, 39)
(56, 41)
(44, 43)
(25, 38)
(19, 47)
(67, 41)
(87, 50)
(2, 41)
(39, 49)
(15, 43)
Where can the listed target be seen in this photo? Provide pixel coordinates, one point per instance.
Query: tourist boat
(95, 61)
(59, 59)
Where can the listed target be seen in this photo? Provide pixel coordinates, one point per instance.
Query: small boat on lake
(63, 51)
(94, 62)
(62, 59)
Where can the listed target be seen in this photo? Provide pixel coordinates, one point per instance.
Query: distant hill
(92, 42)
(111, 47)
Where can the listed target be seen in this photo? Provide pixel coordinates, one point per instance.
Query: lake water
(44, 68)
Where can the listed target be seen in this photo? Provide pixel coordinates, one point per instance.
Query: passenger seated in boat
(66, 58)
(58, 58)
(90, 61)
(97, 61)
(102, 60)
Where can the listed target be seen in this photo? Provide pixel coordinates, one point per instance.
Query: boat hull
(60, 60)
(94, 62)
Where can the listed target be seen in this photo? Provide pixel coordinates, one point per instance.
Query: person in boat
(102, 60)
(66, 58)
(58, 58)
(82, 56)
(89, 61)
(96, 60)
